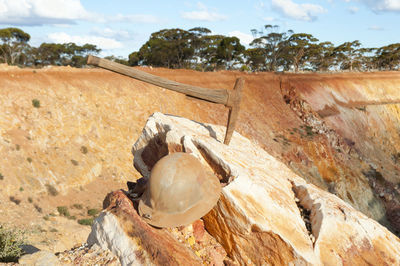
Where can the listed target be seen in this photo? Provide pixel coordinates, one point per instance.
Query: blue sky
(120, 27)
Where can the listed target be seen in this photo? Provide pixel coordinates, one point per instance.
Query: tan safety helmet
(180, 190)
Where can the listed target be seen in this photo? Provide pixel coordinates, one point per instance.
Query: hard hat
(179, 191)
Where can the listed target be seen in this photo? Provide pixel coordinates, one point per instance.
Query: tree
(301, 47)
(134, 59)
(255, 59)
(199, 43)
(64, 54)
(229, 52)
(322, 57)
(348, 55)
(14, 42)
(275, 45)
(388, 57)
(49, 54)
(119, 60)
(168, 48)
(206, 54)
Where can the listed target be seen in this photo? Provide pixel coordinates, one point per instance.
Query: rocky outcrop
(120, 229)
(266, 213)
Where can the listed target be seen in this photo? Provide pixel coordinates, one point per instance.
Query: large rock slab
(266, 213)
(120, 229)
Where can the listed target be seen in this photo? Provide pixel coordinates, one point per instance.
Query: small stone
(198, 230)
(216, 257)
(191, 240)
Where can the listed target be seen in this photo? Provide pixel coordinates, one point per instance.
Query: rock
(40, 258)
(85, 255)
(257, 220)
(120, 229)
(198, 230)
(343, 235)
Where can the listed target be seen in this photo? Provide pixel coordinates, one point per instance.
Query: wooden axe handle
(234, 99)
(230, 99)
(210, 95)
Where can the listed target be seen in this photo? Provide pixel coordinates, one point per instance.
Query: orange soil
(105, 113)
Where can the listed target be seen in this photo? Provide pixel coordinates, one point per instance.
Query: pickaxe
(230, 98)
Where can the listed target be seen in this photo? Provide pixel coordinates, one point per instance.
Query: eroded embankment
(88, 120)
(363, 110)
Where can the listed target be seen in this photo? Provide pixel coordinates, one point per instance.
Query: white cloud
(58, 12)
(243, 37)
(38, 12)
(383, 5)
(353, 9)
(138, 18)
(305, 12)
(203, 14)
(376, 28)
(101, 42)
(119, 35)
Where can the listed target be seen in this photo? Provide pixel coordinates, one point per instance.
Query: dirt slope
(78, 141)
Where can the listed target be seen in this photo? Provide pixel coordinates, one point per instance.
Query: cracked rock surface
(266, 213)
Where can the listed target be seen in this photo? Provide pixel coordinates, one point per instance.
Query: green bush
(77, 206)
(15, 200)
(93, 212)
(10, 242)
(51, 190)
(36, 103)
(88, 221)
(84, 150)
(63, 210)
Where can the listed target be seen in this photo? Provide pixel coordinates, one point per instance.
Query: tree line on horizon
(198, 49)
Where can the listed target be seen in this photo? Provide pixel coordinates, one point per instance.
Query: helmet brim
(198, 210)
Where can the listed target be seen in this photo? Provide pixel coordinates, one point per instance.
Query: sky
(120, 27)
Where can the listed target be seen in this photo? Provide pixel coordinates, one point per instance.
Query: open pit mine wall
(321, 125)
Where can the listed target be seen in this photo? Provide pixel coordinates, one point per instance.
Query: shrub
(15, 200)
(30, 200)
(10, 242)
(93, 212)
(36, 103)
(88, 221)
(74, 162)
(63, 210)
(84, 150)
(51, 190)
(1, 176)
(38, 208)
(77, 206)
